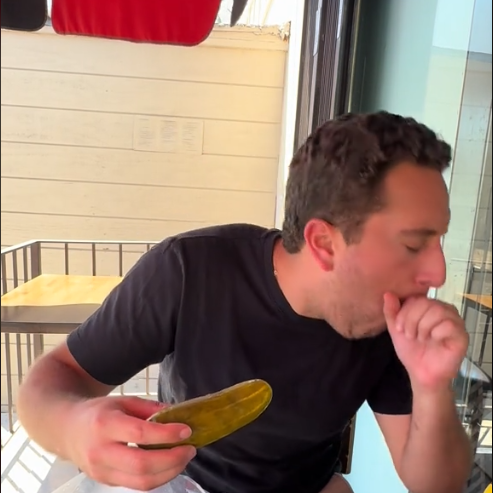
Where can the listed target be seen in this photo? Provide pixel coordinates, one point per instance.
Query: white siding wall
(106, 139)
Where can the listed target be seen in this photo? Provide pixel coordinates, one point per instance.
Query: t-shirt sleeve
(135, 325)
(393, 393)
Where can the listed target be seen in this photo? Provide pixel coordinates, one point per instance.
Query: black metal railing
(23, 262)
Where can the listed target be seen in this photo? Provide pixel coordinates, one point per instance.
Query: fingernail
(185, 433)
(192, 453)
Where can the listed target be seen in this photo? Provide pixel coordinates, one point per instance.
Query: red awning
(178, 22)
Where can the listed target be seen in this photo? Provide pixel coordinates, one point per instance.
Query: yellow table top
(55, 302)
(481, 299)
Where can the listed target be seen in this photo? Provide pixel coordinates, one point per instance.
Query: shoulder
(222, 245)
(222, 233)
(216, 241)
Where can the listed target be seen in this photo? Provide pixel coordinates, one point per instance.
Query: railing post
(35, 259)
(38, 339)
(10, 392)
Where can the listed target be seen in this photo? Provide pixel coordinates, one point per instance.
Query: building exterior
(432, 60)
(76, 120)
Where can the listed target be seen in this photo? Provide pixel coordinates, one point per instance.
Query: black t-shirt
(206, 306)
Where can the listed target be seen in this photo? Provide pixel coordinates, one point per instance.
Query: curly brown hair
(337, 173)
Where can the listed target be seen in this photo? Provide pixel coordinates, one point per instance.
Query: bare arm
(64, 404)
(430, 449)
(53, 385)
(67, 412)
(132, 329)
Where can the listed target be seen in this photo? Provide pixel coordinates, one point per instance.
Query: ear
(321, 240)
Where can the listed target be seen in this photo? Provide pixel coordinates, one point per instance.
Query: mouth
(415, 295)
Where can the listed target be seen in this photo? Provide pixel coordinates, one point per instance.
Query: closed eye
(413, 249)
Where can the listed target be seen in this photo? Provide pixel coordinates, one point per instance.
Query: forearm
(46, 397)
(437, 456)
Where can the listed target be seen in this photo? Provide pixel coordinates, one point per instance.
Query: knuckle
(144, 483)
(99, 421)
(167, 433)
(465, 339)
(422, 302)
(93, 457)
(95, 473)
(136, 432)
(130, 399)
(140, 465)
(448, 309)
(441, 309)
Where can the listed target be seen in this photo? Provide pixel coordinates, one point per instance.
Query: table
(54, 304)
(482, 303)
(482, 299)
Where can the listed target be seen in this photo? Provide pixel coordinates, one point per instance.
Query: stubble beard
(353, 324)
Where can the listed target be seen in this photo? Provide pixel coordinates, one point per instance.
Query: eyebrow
(423, 232)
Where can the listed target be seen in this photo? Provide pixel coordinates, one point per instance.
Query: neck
(293, 276)
(298, 280)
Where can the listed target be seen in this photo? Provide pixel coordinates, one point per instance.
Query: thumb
(391, 308)
(141, 408)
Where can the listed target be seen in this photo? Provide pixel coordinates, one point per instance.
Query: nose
(432, 271)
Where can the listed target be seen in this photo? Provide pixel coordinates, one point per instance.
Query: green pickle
(215, 416)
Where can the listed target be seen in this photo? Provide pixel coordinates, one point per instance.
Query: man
(306, 309)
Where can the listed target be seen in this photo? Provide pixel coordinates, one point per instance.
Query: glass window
(432, 59)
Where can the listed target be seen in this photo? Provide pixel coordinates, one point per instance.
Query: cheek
(387, 258)
(379, 270)
(359, 273)
(377, 263)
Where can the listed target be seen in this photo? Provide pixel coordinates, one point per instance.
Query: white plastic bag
(82, 484)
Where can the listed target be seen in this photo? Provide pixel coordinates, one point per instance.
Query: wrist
(442, 391)
(68, 417)
(442, 387)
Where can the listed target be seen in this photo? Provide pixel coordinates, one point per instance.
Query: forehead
(416, 197)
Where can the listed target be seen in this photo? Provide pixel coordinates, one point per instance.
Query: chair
(347, 445)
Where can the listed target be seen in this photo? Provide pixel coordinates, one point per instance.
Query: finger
(452, 333)
(411, 315)
(391, 308)
(140, 462)
(434, 316)
(140, 408)
(121, 427)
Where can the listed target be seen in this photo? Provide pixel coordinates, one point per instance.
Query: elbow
(28, 395)
(450, 479)
(438, 486)
(25, 393)
(464, 464)
(449, 474)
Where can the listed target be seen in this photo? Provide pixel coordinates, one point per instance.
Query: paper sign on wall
(168, 135)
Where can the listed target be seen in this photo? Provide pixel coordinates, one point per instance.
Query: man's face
(399, 251)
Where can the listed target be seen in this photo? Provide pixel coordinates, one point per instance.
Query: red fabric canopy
(179, 22)
(183, 22)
